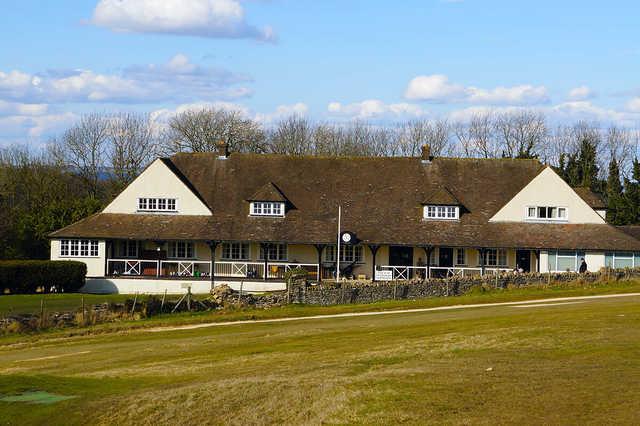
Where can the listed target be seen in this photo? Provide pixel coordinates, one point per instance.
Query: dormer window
(157, 205)
(432, 212)
(547, 213)
(267, 208)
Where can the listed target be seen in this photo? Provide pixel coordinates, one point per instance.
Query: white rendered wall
(158, 286)
(95, 265)
(157, 181)
(547, 189)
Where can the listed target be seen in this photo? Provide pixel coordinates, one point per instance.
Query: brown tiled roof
(633, 230)
(591, 198)
(381, 201)
(442, 196)
(269, 192)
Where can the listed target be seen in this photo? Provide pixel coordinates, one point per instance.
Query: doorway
(523, 260)
(400, 256)
(445, 257)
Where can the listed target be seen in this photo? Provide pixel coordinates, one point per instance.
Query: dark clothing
(583, 267)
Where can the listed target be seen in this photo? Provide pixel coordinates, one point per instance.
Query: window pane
(531, 212)
(542, 212)
(552, 212)
(566, 263)
(552, 260)
(623, 262)
(162, 204)
(562, 213)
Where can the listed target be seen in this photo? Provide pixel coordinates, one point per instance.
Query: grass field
(30, 303)
(575, 363)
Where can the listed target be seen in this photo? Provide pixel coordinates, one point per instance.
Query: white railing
(410, 272)
(279, 269)
(133, 267)
(461, 271)
(185, 268)
(239, 269)
(405, 272)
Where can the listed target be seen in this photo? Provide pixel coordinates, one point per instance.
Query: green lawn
(575, 363)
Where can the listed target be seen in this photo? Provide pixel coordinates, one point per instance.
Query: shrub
(25, 276)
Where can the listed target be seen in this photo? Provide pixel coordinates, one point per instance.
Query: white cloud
(375, 109)
(12, 108)
(634, 105)
(438, 88)
(282, 111)
(178, 79)
(201, 18)
(581, 93)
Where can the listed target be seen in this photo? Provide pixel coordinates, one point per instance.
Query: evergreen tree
(631, 204)
(615, 202)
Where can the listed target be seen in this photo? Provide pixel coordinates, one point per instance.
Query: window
(79, 248)
(347, 254)
(275, 252)
(235, 251)
(181, 250)
(495, 257)
(620, 260)
(547, 213)
(157, 205)
(267, 208)
(127, 249)
(564, 260)
(441, 212)
(460, 257)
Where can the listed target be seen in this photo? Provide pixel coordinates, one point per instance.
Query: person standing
(583, 266)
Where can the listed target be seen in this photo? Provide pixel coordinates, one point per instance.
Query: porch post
(481, 252)
(319, 249)
(427, 252)
(374, 251)
(159, 245)
(107, 255)
(265, 247)
(537, 253)
(212, 247)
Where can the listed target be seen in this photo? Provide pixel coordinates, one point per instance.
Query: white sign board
(384, 275)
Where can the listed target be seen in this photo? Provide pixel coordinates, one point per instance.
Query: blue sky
(378, 61)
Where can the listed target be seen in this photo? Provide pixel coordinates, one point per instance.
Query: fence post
(82, 309)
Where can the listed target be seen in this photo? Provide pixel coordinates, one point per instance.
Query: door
(523, 260)
(400, 256)
(445, 258)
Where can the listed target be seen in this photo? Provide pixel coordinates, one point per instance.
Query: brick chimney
(223, 149)
(426, 153)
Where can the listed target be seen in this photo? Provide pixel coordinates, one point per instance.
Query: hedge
(25, 276)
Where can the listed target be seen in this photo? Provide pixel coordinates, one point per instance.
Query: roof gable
(443, 197)
(547, 189)
(268, 192)
(161, 179)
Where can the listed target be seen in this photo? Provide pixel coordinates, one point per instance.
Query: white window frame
(619, 255)
(498, 255)
(536, 213)
(124, 246)
(348, 254)
(173, 248)
(575, 257)
(83, 248)
(459, 252)
(280, 250)
(157, 205)
(267, 208)
(440, 212)
(236, 251)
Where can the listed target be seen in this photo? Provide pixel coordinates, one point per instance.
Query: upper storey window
(267, 208)
(157, 205)
(441, 212)
(547, 213)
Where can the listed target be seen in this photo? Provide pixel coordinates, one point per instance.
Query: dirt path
(537, 302)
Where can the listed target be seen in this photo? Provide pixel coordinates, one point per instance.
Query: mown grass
(565, 364)
(479, 295)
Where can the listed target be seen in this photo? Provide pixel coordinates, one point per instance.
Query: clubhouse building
(202, 219)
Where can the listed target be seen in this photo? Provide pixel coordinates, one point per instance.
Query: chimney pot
(426, 153)
(222, 148)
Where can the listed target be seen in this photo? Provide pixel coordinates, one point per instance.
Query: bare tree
(414, 134)
(82, 149)
(199, 131)
(292, 136)
(521, 134)
(477, 138)
(132, 145)
(621, 147)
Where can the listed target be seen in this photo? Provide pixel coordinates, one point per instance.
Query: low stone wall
(368, 292)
